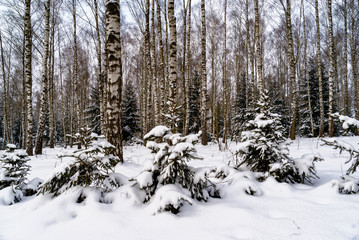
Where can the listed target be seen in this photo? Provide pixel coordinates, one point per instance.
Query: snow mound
(10, 195)
(156, 132)
(169, 198)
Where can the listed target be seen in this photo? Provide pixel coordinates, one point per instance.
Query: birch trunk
(290, 54)
(23, 101)
(248, 54)
(173, 67)
(354, 60)
(28, 76)
(307, 73)
(5, 98)
(75, 79)
(320, 75)
(187, 79)
(346, 91)
(331, 69)
(184, 90)
(44, 82)
(149, 79)
(224, 79)
(258, 48)
(162, 65)
(203, 75)
(156, 99)
(114, 97)
(100, 76)
(51, 82)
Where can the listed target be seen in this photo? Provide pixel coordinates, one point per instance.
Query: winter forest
(178, 113)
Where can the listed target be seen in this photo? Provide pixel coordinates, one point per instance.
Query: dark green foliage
(194, 101)
(14, 168)
(264, 149)
(92, 112)
(169, 167)
(92, 166)
(305, 128)
(130, 116)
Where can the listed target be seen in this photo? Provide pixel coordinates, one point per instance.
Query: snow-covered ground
(282, 211)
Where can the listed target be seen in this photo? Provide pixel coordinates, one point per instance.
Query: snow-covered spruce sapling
(347, 183)
(14, 168)
(13, 172)
(90, 167)
(169, 170)
(264, 149)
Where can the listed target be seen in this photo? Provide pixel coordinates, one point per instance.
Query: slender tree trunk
(224, 80)
(24, 110)
(290, 53)
(320, 75)
(307, 73)
(184, 130)
(75, 78)
(248, 54)
(162, 65)
(114, 98)
(346, 91)
(149, 79)
(354, 60)
(51, 83)
(156, 98)
(331, 69)
(5, 98)
(44, 82)
(100, 76)
(258, 48)
(28, 76)
(187, 79)
(173, 66)
(203, 76)
(61, 88)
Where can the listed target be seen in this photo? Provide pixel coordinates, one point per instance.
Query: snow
(158, 131)
(275, 211)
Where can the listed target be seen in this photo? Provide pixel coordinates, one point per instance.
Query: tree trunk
(114, 97)
(23, 101)
(173, 67)
(331, 69)
(156, 99)
(149, 79)
(44, 82)
(162, 65)
(100, 81)
(258, 48)
(203, 76)
(354, 60)
(307, 73)
(5, 98)
(61, 88)
(346, 91)
(75, 79)
(224, 79)
(28, 76)
(184, 90)
(248, 54)
(51, 83)
(187, 79)
(320, 75)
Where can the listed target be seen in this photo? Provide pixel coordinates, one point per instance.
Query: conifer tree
(130, 122)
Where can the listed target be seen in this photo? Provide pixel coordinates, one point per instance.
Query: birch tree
(28, 77)
(331, 69)
(203, 75)
(114, 97)
(320, 75)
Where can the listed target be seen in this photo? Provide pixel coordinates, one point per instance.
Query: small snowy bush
(347, 185)
(263, 148)
(169, 167)
(90, 167)
(344, 146)
(14, 168)
(350, 125)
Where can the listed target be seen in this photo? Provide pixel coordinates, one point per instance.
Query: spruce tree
(130, 116)
(264, 149)
(195, 104)
(92, 112)
(14, 168)
(169, 174)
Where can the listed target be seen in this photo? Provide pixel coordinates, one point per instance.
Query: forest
(225, 119)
